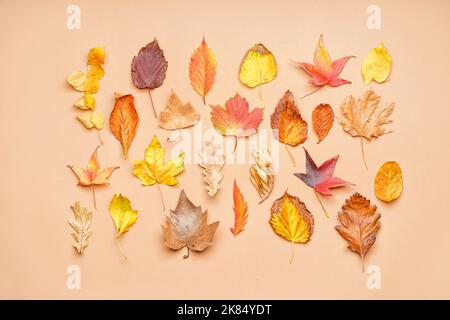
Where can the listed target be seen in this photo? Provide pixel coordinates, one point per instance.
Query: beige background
(39, 137)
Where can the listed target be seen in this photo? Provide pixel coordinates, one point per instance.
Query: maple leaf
(240, 210)
(322, 119)
(148, 69)
(152, 170)
(124, 120)
(388, 182)
(261, 173)
(81, 225)
(321, 178)
(291, 220)
(212, 161)
(289, 126)
(359, 224)
(202, 69)
(324, 71)
(365, 118)
(93, 175)
(235, 119)
(186, 226)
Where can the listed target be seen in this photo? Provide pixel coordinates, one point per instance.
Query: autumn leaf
(123, 215)
(96, 56)
(93, 175)
(376, 65)
(177, 115)
(365, 118)
(290, 127)
(77, 80)
(240, 210)
(235, 119)
(186, 226)
(258, 67)
(91, 119)
(123, 121)
(291, 220)
(388, 182)
(212, 161)
(81, 225)
(321, 178)
(325, 71)
(148, 69)
(322, 120)
(152, 170)
(202, 69)
(262, 175)
(359, 224)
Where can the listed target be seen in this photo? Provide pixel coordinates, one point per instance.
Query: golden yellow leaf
(177, 115)
(258, 67)
(123, 215)
(96, 56)
(90, 119)
(291, 220)
(81, 225)
(376, 65)
(77, 80)
(389, 182)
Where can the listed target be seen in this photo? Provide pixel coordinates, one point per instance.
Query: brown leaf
(359, 224)
(124, 121)
(322, 120)
(177, 115)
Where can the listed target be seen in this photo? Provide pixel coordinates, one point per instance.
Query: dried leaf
(324, 71)
(262, 174)
(235, 119)
(258, 67)
(322, 120)
(202, 69)
(81, 225)
(186, 226)
(359, 224)
(123, 215)
(289, 125)
(212, 161)
(389, 182)
(240, 211)
(177, 115)
(365, 118)
(376, 65)
(92, 175)
(77, 80)
(90, 119)
(96, 56)
(123, 121)
(291, 220)
(148, 68)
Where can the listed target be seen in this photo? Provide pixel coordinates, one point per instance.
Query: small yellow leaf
(92, 119)
(77, 80)
(388, 182)
(96, 56)
(123, 215)
(376, 65)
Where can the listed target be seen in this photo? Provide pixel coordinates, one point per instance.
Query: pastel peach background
(39, 137)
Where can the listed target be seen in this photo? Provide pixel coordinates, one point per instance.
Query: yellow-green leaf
(123, 215)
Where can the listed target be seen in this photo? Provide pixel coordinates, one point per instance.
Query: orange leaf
(322, 119)
(124, 121)
(240, 211)
(202, 69)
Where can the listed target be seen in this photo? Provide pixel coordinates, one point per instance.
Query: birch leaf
(240, 210)
(81, 226)
(322, 120)
(389, 182)
(177, 115)
(261, 173)
(212, 161)
(376, 65)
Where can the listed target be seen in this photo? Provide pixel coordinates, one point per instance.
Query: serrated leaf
(81, 225)
(177, 115)
(322, 120)
(212, 161)
(240, 211)
(388, 182)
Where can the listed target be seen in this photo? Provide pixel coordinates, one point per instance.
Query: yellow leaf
(388, 181)
(77, 80)
(92, 119)
(376, 65)
(258, 67)
(123, 215)
(96, 56)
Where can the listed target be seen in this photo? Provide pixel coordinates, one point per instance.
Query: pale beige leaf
(262, 174)
(81, 225)
(212, 161)
(177, 115)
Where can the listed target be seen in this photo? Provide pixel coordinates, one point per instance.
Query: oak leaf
(322, 120)
(262, 174)
(202, 69)
(186, 226)
(359, 224)
(240, 211)
(177, 115)
(377, 65)
(291, 220)
(388, 182)
(81, 225)
(212, 161)
(123, 121)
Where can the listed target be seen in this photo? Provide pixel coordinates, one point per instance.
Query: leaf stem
(122, 253)
(260, 91)
(290, 154)
(362, 152)
(161, 196)
(204, 100)
(292, 253)
(187, 254)
(235, 143)
(93, 196)
(321, 204)
(151, 100)
(363, 263)
(99, 136)
(310, 93)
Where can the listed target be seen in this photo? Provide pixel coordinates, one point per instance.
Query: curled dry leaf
(376, 65)
(240, 210)
(365, 118)
(291, 220)
(81, 225)
(290, 128)
(322, 120)
(148, 69)
(202, 69)
(258, 67)
(388, 182)
(177, 115)
(359, 224)
(212, 161)
(123, 121)
(186, 226)
(262, 175)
